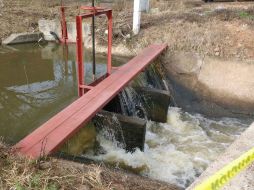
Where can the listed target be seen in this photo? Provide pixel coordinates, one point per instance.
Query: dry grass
(186, 25)
(23, 174)
(19, 173)
(198, 28)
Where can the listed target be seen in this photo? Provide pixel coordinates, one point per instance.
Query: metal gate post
(80, 57)
(92, 12)
(110, 31)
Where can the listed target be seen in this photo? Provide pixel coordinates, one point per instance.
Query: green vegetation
(246, 15)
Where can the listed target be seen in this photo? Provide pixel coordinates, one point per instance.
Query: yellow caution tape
(218, 180)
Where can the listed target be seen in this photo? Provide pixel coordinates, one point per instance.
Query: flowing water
(177, 151)
(38, 81)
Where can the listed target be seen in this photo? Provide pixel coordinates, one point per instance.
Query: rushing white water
(177, 151)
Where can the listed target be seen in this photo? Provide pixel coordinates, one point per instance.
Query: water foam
(177, 151)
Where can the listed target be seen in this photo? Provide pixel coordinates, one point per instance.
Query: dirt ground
(214, 29)
(222, 29)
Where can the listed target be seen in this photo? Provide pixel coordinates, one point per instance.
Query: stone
(45, 165)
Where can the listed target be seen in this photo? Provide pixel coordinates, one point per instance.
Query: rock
(45, 165)
(217, 53)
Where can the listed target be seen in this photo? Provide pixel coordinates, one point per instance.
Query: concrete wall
(48, 26)
(22, 38)
(211, 86)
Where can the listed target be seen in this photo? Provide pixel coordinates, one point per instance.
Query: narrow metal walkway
(55, 132)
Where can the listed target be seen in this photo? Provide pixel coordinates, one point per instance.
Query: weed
(246, 15)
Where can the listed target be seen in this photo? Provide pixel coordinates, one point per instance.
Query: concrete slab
(243, 181)
(22, 38)
(156, 103)
(130, 131)
(49, 26)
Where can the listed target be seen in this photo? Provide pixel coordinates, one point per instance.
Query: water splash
(131, 103)
(112, 131)
(177, 151)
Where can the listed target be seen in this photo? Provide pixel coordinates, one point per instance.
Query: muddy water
(177, 151)
(35, 83)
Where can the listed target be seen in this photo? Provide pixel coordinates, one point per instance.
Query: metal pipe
(93, 36)
(110, 31)
(80, 57)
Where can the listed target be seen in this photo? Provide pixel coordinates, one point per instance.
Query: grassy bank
(19, 173)
(23, 174)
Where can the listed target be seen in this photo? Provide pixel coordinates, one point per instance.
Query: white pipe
(136, 16)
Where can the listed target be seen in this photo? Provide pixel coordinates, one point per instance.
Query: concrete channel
(245, 180)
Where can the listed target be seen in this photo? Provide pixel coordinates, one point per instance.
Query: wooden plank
(54, 133)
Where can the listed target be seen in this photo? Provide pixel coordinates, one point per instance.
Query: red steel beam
(110, 35)
(49, 137)
(101, 12)
(91, 8)
(92, 11)
(80, 58)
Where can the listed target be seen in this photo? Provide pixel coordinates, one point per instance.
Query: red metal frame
(64, 38)
(93, 11)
